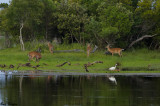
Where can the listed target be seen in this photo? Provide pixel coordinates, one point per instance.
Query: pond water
(79, 90)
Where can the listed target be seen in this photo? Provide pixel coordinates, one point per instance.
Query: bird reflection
(112, 79)
(2, 72)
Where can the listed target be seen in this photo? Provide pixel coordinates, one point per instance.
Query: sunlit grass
(137, 58)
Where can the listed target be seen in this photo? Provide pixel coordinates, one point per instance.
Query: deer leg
(87, 53)
(37, 59)
(121, 54)
(29, 58)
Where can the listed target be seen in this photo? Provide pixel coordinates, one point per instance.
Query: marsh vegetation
(131, 61)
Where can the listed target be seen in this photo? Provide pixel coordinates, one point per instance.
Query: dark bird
(28, 64)
(35, 67)
(11, 66)
(2, 66)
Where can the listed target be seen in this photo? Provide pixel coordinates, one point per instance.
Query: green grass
(131, 59)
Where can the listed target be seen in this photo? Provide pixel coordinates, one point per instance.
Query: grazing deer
(35, 54)
(88, 49)
(115, 50)
(50, 47)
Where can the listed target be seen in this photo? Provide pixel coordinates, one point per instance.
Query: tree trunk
(7, 41)
(46, 32)
(141, 38)
(20, 38)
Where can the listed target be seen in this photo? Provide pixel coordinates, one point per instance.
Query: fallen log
(86, 67)
(90, 64)
(74, 50)
(60, 65)
(26, 64)
(95, 48)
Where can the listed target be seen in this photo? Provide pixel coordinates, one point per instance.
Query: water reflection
(3, 81)
(69, 90)
(112, 79)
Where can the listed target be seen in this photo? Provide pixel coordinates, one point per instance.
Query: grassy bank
(132, 61)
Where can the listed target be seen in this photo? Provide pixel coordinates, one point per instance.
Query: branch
(141, 38)
(60, 65)
(74, 50)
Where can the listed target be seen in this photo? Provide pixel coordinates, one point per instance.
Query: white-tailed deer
(50, 46)
(35, 54)
(115, 50)
(88, 49)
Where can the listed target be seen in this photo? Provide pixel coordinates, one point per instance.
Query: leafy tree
(71, 21)
(3, 5)
(48, 17)
(24, 13)
(116, 22)
(147, 19)
(92, 30)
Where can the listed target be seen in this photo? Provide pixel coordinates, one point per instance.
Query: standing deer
(115, 50)
(88, 49)
(35, 54)
(50, 46)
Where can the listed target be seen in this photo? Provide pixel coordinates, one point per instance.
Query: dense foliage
(118, 22)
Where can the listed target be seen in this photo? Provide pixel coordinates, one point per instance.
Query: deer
(35, 54)
(50, 46)
(88, 49)
(115, 50)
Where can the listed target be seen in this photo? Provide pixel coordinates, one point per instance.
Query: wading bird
(112, 68)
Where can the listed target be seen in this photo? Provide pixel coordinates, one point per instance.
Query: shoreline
(81, 74)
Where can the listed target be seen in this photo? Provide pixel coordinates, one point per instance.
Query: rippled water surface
(79, 90)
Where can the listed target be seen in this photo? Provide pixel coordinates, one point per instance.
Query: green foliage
(110, 34)
(115, 20)
(3, 5)
(82, 21)
(71, 21)
(92, 30)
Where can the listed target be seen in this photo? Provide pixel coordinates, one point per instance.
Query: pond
(79, 90)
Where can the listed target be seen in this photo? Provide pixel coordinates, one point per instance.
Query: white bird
(113, 68)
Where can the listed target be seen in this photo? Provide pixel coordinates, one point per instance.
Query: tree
(71, 21)
(3, 5)
(48, 16)
(3, 23)
(23, 13)
(146, 21)
(116, 22)
(92, 30)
